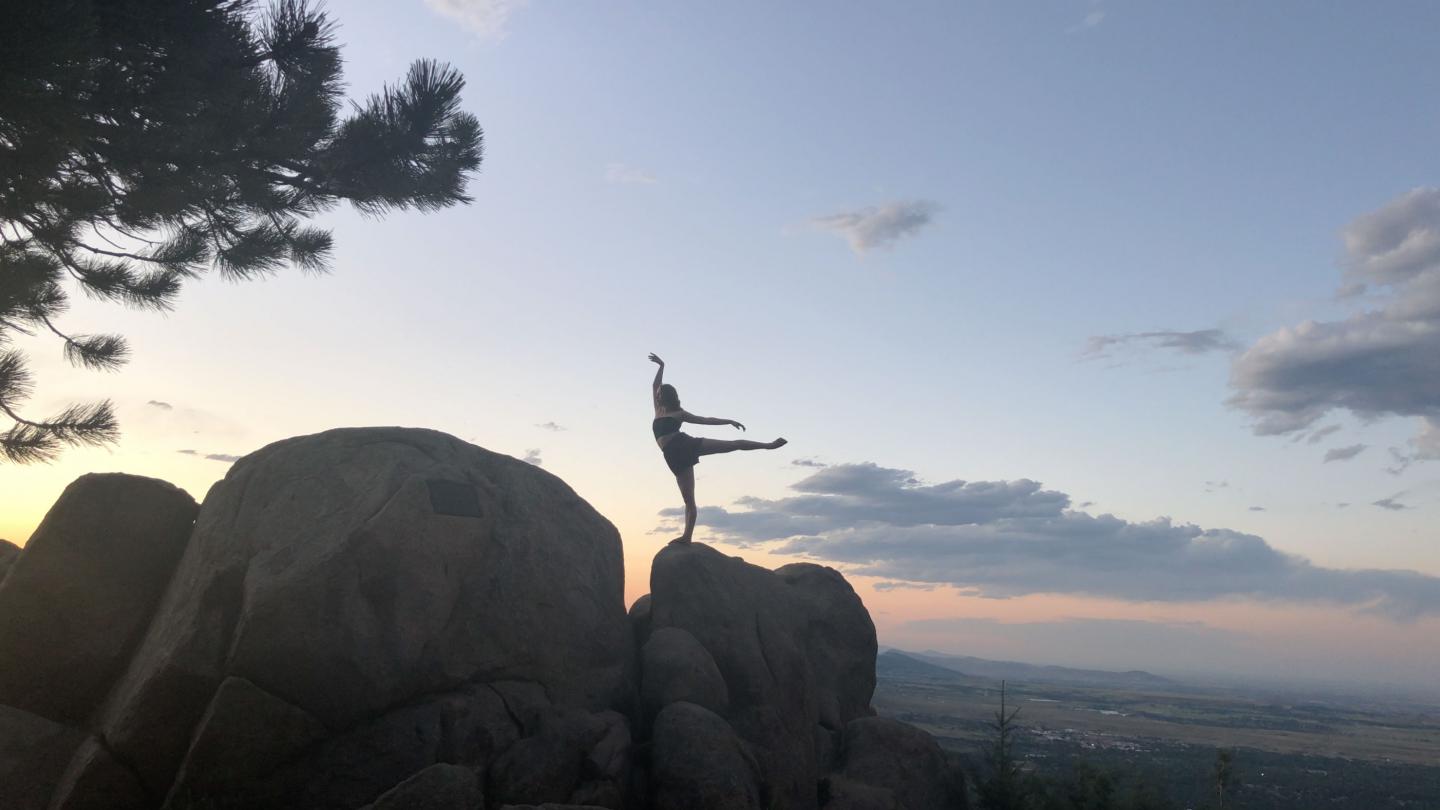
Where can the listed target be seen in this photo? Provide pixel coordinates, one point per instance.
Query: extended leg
(686, 480)
(709, 447)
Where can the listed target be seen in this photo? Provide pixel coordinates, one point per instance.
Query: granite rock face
(8, 552)
(795, 650)
(355, 570)
(78, 600)
(387, 618)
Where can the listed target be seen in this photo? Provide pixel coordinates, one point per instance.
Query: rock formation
(8, 552)
(389, 618)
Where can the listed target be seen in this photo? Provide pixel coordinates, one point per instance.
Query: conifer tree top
(144, 142)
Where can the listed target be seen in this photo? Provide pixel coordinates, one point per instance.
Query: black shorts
(681, 452)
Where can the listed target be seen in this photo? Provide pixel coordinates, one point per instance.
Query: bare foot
(777, 444)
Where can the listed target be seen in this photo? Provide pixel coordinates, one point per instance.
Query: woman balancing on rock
(683, 451)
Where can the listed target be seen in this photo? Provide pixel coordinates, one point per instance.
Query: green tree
(1002, 785)
(1224, 777)
(145, 142)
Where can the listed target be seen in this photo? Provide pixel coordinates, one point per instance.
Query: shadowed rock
(96, 780)
(388, 618)
(902, 759)
(699, 763)
(795, 649)
(77, 602)
(33, 753)
(438, 787)
(674, 667)
(8, 552)
(351, 571)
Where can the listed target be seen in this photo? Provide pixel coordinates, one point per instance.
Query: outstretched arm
(659, 377)
(708, 420)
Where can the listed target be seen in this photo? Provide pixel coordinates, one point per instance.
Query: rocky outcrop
(33, 754)
(699, 762)
(388, 618)
(357, 570)
(438, 787)
(8, 552)
(900, 760)
(794, 648)
(77, 602)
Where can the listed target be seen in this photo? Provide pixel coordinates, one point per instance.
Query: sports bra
(665, 425)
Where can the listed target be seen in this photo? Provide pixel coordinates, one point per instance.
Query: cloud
(1201, 341)
(1390, 503)
(1381, 362)
(621, 174)
(532, 456)
(807, 462)
(1084, 504)
(487, 18)
(164, 406)
(1210, 486)
(1344, 453)
(1012, 538)
(1318, 435)
(225, 457)
(905, 586)
(1257, 509)
(551, 426)
(1091, 20)
(1342, 505)
(879, 226)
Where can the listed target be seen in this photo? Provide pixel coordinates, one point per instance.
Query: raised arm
(659, 379)
(686, 416)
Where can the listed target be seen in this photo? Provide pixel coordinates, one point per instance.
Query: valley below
(1291, 751)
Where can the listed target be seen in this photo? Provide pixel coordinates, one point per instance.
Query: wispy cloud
(1200, 341)
(1390, 503)
(1318, 435)
(905, 586)
(1344, 453)
(1012, 538)
(1380, 362)
(1258, 509)
(1092, 19)
(164, 406)
(551, 426)
(488, 18)
(224, 457)
(532, 456)
(621, 174)
(879, 226)
(807, 462)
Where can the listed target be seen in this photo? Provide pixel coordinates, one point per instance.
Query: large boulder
(8, 552)
(355, 571)
(674, 666)
(698, 763)
(33, 753)
(906, 761)
(77, 602)
(795, 649)
(438, 787)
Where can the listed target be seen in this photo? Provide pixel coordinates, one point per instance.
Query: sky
(1103, 334)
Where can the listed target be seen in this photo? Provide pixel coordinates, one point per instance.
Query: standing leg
(709, 447)
(686, 480)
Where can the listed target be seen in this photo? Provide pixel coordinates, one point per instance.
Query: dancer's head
(669, 397)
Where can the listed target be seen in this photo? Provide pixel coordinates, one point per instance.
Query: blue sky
(657, 178)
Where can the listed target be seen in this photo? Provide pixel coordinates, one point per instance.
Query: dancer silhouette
(683, 451)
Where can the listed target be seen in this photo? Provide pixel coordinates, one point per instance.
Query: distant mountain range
(940, 666)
